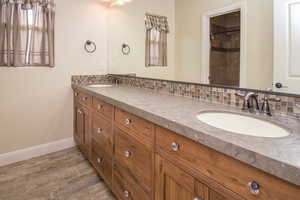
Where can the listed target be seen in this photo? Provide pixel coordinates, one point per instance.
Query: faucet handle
(266, 105)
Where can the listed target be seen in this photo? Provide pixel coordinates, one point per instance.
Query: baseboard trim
(35, 151)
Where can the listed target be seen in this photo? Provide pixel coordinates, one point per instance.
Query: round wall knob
(198, 198)
(126, 194)
(280, 85)
(175, 146)
(127, 154)
(254, 187)
(99, 130)
(128, 121)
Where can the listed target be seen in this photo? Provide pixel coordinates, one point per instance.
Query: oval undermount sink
(243, 125)
(99, 86)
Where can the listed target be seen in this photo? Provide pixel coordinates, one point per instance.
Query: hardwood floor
(63, 175)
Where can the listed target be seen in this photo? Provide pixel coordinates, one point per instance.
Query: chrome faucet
(250, 101)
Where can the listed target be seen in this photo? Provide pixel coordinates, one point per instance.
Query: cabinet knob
(99, 106)
(126, 194)
(99, 160)
(76, 94)
(128, 121)
(99, 130)
(84, 98)
(254, 187)
(198, 198)
(79, 111)
(175, 146)
(127, 154)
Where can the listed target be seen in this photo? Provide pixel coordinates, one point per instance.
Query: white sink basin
(99, 86)
(243, 125)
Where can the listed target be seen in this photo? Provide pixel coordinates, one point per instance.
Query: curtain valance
(160, 23)
(28, 4)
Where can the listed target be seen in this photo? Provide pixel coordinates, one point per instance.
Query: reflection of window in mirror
(156, 40)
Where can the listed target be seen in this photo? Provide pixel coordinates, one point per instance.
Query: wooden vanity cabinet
(141, 161)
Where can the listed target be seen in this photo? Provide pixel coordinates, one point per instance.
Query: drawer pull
(99, 130)
(99, 107)
(198, 198)
(127, 154)
(254, 187)
(126, 194)
(99, 160)
(175, 146)
(128, 121)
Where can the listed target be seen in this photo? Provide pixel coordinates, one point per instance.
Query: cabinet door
(78, 124)
(82, 129)
(172, 183)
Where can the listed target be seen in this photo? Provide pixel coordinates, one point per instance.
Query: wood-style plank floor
(64, 175)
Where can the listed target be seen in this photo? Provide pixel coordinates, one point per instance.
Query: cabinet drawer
(229, 172)
(102, 162)
(126, 187)
(102, 133)
(83, 98)
(135, 157)
(139, 128)
(103, 108)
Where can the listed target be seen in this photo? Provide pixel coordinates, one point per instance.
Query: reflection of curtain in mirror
(156, 40)
(26, 33)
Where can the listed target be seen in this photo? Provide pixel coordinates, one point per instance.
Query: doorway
(238, 50)
(225, 37)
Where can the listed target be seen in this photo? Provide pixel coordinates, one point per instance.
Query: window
(27, 33)
(156, 40)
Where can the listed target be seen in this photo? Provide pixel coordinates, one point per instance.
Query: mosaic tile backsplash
(287, 106)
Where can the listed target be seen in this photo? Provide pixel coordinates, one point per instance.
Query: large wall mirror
(236, 43)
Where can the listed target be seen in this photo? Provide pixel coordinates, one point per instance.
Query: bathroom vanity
(150, 146)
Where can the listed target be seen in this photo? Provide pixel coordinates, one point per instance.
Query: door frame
(205, 57)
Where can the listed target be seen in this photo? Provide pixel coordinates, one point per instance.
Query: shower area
(225, 39)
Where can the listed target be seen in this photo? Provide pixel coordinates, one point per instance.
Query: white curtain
(27, 33)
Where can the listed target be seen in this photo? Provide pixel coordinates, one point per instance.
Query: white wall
(36, 103)
(126, 25)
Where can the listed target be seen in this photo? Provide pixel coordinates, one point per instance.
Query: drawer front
(135, 157)
(103, 108)
(229, 172)
(102, 133)
(102, 162)
(126, 187)
(141, 129)
(83, 98)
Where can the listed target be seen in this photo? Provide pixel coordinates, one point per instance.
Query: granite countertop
(277, 156)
